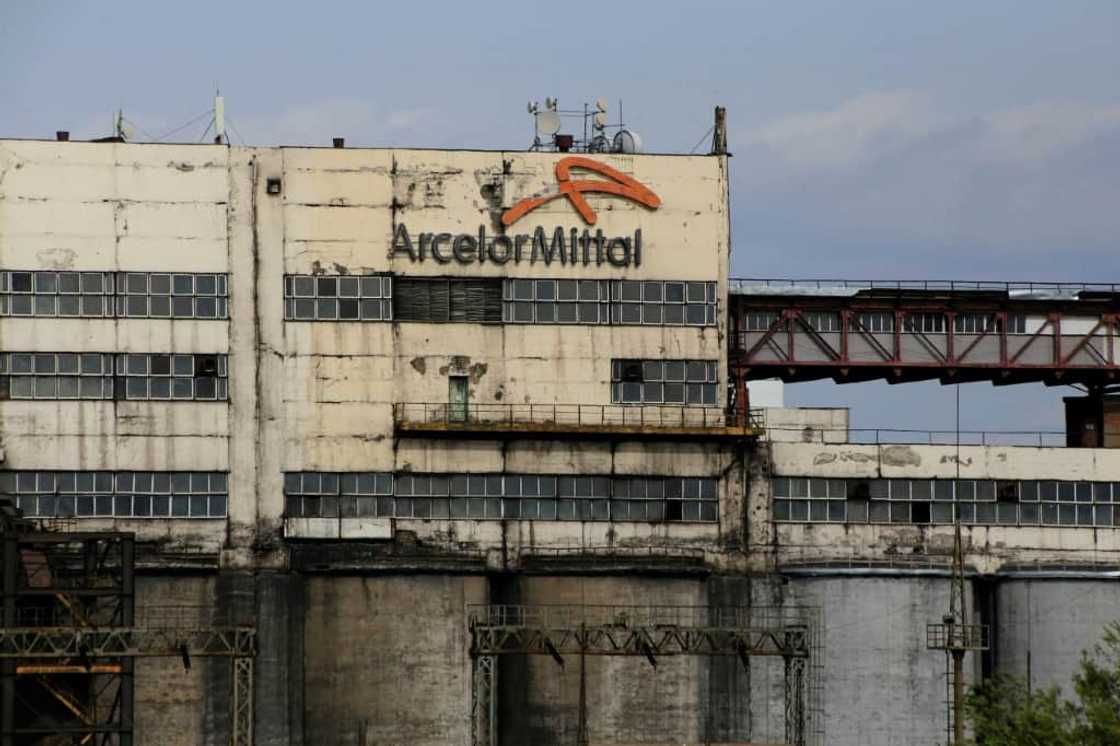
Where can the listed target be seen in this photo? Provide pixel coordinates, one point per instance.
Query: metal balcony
(573, 420)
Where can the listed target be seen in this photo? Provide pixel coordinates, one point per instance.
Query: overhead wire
(237, 132)
(180, 128)
(700, 141)
(139, 129)
(206, 131)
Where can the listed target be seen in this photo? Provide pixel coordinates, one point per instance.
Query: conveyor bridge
(850, 331)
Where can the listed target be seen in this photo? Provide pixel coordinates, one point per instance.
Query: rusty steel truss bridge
(851, 331)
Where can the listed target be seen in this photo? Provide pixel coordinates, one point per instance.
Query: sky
(870, 139)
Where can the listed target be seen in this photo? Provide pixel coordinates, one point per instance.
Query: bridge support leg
(241, 715)
(795, 700)
(484, 688)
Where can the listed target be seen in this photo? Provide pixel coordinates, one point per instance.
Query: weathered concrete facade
(361, 593)
(319, 396)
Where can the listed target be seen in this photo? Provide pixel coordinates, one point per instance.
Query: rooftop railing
(1029, 286)
(564, 416)
(897, 436)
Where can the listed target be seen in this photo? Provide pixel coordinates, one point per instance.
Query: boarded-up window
(442, 299)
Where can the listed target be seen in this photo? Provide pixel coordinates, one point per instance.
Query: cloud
(856, 130)
(359, 121)
(892, 168)
(1047, 129)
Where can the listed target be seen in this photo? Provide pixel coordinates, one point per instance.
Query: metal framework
(955, 636)
(954, 332)
(69, 636)
(576, 420)
(791, 634)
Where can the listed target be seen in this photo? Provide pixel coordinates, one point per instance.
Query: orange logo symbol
(620, 185)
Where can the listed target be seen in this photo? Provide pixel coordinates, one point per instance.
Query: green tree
(1004, 711)
(1097, 685)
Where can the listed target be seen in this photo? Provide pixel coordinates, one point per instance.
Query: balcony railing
(604, 418)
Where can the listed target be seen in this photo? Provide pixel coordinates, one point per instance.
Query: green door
(457, 398)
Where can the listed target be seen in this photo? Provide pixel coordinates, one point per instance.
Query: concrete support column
(728, 685)
(278, 701)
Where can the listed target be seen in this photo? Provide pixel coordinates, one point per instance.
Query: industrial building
(397, 446)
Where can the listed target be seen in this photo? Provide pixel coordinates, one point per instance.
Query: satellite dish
(627, 141)
(600, 119)
(599, 143)
(601, 104)
(548, 122)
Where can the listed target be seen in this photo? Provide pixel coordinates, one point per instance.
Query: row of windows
(63, 375)
(652, 302)
(338, 298)
(689, 382)
(364, 298)
(501, 496)
(494, 300)
(114, 294)
(884, 322)
(922, 501)
(126, 494)
(94, 375)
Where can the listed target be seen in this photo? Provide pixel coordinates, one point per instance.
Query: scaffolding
(650, 632)
(70, 635)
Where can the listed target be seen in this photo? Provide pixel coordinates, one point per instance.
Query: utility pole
(719, 132)
(955, 635)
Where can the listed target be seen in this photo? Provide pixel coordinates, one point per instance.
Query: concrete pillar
(278, 687)
(728, 691)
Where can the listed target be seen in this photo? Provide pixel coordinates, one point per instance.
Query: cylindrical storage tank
(628, 700)
(1044, 620)
(879, 685)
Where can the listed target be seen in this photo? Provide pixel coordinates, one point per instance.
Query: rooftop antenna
(220, 137)
(599, 142)
(546, 121)
(121, 131)
(599, 134)
(955, 635)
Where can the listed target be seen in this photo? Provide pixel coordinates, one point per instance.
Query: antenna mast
(220, 119)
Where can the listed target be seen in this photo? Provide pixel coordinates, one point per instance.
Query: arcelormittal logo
(619, 185)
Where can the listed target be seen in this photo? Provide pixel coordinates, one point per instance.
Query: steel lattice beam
(658, 640)
(125, 642)
(241, 708)
(650, 632)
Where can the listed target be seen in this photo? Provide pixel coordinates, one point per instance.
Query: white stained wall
(318, 395)
(988, 547)
(112, 207)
